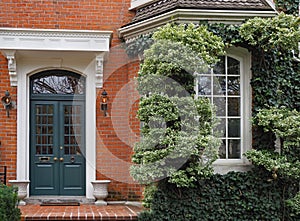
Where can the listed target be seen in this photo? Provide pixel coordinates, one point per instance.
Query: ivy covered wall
(271, 190)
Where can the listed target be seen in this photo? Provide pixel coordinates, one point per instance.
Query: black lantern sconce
(104, 101)
(6, 101)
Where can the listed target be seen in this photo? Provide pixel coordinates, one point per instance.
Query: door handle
(61, 159)
(55, 158)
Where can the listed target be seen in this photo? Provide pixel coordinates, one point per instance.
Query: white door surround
(30, 51)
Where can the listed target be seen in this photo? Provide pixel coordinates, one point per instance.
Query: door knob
(55, 158)
(61, 159)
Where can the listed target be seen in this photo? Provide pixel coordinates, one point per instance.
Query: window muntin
(222, 85)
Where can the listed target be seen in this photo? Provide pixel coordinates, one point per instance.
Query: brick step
(81, 212)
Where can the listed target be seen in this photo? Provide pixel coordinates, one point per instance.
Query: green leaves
(280, 32)
(171, 138)
(8, 201)
(235, 196)
(294, 205)
(287, 6)
(177, 142)
(285, 124)
(204, 44)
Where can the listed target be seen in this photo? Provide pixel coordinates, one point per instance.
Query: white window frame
(225, 165)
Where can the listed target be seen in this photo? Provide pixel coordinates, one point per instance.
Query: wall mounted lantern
(6, 101)
(104, 100)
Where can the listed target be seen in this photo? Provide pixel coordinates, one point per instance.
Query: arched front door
(57, 133)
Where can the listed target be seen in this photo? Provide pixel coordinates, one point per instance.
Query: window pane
(58, 82)
(234, 149)
(204, 85)
(233, 86)
(220, 103)
(234, 106)
(233, 66)
(219, 68)
(234, 128)
(219, 85)
(222, 85)
(222, 150)
(220, 129)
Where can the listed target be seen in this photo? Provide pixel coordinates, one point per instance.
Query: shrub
(177, 140)
(8, 201)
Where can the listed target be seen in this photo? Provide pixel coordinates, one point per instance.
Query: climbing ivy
(136, 47)
(275, 74)
(237, 196)
(277, 34)
(276, 101)
(288, 6)
(285, 159)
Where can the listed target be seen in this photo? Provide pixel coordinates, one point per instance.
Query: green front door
(57, 142)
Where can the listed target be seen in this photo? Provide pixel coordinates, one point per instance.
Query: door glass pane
(44, 129)
(58, 82)
(72, 131)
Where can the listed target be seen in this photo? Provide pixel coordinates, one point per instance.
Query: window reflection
(222, 85)
(58, 82)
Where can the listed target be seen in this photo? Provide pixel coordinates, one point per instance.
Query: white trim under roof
(139, 3)
(132, 31)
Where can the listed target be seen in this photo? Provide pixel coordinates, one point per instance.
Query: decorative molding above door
(16, 44)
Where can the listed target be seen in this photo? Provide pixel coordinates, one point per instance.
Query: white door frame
(30, 51)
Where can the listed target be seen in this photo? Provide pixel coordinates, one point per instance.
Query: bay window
(227, 85)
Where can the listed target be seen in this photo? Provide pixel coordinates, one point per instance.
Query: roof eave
(133, 30)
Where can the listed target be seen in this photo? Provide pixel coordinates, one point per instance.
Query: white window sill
(225, 166)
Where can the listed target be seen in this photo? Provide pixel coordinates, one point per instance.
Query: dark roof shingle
(162, 6)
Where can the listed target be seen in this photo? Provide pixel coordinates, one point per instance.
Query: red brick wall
(114, 148)
(8, 125)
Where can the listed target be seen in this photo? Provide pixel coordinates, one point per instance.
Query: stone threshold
(38, 200)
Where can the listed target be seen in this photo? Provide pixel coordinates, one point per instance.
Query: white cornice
(189, 15)
(16, 44)
(54, 39)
